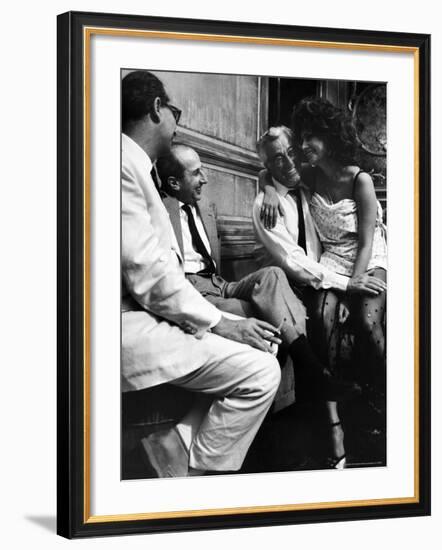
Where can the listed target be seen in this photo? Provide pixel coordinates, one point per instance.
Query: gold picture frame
(75, 32)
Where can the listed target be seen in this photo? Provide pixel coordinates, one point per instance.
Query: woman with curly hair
(348, 219)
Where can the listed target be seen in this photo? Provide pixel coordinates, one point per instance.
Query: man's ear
(268, 170)
(173, 184)
(155, 111)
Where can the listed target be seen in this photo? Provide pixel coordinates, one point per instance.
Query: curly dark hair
(319, 117)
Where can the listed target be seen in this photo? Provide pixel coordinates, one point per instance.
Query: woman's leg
(368, 314)
(324, 322)
(337, 459)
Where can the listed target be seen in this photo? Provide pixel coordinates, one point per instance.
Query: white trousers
(243, 382)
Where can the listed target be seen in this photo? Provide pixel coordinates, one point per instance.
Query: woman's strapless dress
(337, 226)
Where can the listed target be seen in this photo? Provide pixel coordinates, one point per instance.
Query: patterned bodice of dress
(337, 226)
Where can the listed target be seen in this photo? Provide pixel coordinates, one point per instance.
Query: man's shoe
(166, 453)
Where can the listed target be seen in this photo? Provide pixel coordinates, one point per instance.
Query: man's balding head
(181, 174)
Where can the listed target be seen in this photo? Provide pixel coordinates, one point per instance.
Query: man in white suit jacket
(166, 322)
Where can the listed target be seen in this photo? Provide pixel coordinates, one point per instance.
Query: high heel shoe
(337, 462)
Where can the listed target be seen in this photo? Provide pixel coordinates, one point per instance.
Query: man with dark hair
(265, 293)
(139, 92)
(170, 333)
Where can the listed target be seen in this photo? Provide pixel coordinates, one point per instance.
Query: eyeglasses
(175, 111)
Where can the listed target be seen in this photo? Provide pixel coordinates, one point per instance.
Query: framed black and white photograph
(243, 267)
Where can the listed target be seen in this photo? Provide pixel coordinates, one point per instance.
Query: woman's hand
(270, 203)
(343, 313)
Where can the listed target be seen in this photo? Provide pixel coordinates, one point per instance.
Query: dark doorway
(284, 93)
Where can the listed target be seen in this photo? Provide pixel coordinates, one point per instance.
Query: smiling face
(193, 178)
(281, 161)
(314, 148)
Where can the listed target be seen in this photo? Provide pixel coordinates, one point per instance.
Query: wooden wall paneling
(233, 194)
(222, 119)
(263, 110)
(216, 105)
(219, 153)
(227, 151)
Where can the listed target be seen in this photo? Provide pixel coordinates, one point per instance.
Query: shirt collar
(284, 191)
(192, 206)
(280, 188)
(131, 145)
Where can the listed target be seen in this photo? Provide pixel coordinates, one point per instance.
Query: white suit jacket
(153, 279)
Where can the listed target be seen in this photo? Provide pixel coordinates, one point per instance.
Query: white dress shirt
(279, 246)
(193, 261)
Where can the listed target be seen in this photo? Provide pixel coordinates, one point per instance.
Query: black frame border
(70, 275)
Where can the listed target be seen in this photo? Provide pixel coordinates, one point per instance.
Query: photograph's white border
(109, 495)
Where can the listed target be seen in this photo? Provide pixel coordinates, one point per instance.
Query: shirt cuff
(216, 318)
(340, 282)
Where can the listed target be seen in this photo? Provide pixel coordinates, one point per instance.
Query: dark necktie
(157, 182)
(197, 242)
(301, 224)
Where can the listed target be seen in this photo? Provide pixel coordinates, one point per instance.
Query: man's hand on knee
(366, 284)
(253, 332)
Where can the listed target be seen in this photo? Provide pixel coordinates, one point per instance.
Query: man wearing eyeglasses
(170, 333)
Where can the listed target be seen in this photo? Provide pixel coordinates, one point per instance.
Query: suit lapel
(208, 218)
(173, 207)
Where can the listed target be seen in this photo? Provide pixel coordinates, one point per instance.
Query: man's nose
(203, 178)
(289, 161)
